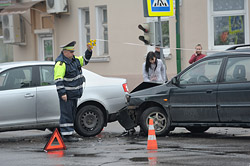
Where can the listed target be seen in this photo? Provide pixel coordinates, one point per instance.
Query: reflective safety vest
(68, 75)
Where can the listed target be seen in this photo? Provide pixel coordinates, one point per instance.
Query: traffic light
(147, 38)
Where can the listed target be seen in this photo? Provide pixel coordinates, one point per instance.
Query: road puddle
(139, 159)
(85, 155)
(151, 158)
(135, 149)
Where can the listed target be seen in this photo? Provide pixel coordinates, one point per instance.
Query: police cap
(70, 46)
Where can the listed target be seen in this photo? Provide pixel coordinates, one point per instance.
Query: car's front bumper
(125, 119)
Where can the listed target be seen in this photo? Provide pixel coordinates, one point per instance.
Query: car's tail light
(125, 87)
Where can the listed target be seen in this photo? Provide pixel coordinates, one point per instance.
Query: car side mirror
(175, 81)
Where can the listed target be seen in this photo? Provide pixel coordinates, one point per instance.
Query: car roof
(235, 50)
(7, 65)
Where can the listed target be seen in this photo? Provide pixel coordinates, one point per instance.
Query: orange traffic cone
(152, 143)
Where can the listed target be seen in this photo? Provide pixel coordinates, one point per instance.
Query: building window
(6, 50)
(84, 27)
(165, 33)
(229, 23)
(102, 31)
(87, 25)
(105, 29)
(47, 45)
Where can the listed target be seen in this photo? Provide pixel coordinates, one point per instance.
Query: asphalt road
(218, 146)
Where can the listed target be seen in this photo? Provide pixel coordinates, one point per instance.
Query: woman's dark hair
(150, 56)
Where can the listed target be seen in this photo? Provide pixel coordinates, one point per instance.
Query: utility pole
(178, 40)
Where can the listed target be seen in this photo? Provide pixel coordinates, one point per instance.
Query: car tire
(162, 124)
(89, 121)
(197, 129)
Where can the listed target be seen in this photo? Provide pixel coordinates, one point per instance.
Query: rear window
(16, 78)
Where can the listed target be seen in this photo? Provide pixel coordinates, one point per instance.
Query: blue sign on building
(160, 5)
(159, 8)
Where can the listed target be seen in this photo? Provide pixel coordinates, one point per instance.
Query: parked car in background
(212, 92)
(29, 100)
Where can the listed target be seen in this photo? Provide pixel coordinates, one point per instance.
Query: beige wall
(171, 64)
(194, 27)
(26, 52)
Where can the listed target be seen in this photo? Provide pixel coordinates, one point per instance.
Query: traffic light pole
(161, 42)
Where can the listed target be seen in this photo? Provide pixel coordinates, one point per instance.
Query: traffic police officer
(69, 79)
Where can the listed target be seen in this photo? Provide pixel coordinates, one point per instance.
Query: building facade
(47, 24)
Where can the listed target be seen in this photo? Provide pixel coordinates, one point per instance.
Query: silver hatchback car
(29, 100)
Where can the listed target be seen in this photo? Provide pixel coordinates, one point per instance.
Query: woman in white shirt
(153, 69)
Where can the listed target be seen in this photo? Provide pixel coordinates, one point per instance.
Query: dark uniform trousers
(68, 113)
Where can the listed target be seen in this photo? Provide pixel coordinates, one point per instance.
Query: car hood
(145, 85)
(148, 88)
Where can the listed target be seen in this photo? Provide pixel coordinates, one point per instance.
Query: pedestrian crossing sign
(158, 8)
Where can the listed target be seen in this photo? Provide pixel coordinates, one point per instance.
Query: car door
(234, 91)
(48, 109)
(194, 99)
(17, 97)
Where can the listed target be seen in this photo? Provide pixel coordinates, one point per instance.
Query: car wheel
(89, 121)
(197, 129)
(161, 121)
